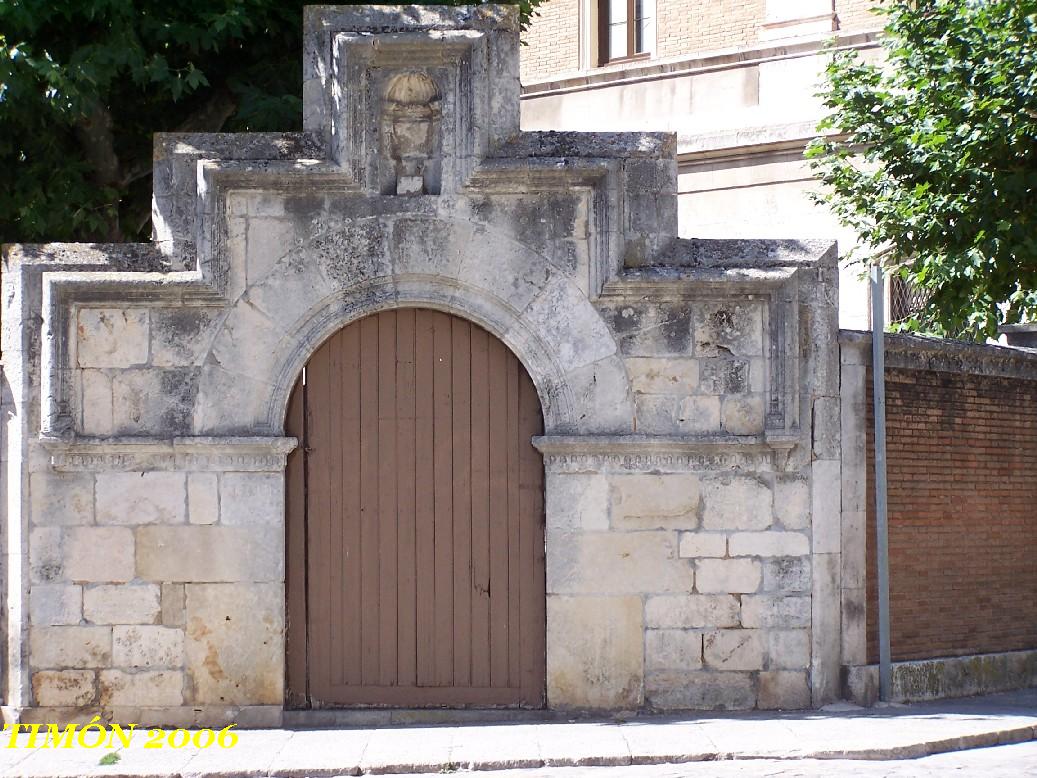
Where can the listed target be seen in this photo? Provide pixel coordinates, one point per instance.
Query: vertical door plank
(515, 561)
(295, 550)
(531, 496)
(405, 452)
(337, 413)
(498, 514)
(342, 423)
(461, 382)
(443, 498)
(369, 545)
(480, 638)
(388, 468)
(424, 489)
(320, 459)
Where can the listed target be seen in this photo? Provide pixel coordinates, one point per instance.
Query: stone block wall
(155, 594)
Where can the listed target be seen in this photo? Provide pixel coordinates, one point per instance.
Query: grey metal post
(878, 374)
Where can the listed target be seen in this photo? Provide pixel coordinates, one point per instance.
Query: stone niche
(689, 391)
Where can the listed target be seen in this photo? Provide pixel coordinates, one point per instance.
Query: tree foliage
(930, 154)
(85, 83)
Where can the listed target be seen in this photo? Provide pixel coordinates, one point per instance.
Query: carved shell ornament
(410, 113)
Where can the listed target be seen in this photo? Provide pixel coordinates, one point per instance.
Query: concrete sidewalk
(900, 732)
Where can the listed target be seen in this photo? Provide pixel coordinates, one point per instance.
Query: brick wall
(693, 26)
(552, 42)
(854, 15)
(962, 468)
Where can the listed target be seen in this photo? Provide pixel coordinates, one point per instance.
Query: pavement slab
(892, 733)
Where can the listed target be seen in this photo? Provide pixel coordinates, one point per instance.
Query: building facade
(736, 80)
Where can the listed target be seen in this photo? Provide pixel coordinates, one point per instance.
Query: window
(626, 30)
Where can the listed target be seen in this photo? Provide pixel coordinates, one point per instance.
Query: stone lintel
(253, 454)
(650, 453)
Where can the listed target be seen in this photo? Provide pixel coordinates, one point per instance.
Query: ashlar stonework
(692, 503)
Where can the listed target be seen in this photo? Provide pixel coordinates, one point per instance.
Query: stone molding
(914, 352)
(214, 454)
(654, 453)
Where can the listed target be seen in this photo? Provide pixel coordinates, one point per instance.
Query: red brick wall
(962, 470)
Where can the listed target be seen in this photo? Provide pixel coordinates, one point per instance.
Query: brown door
(415, 520)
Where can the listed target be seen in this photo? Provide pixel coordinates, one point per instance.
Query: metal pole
(878, 374)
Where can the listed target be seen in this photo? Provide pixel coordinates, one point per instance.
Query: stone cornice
(651, 453)
(181, 453)
(914, 352)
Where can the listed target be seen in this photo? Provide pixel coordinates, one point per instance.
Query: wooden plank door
(415, 520)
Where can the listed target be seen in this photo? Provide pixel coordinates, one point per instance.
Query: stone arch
(536, 309)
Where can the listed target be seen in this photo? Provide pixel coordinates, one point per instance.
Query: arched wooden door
(415, 520)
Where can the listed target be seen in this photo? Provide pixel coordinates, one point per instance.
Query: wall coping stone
(125, 454)
(917, 352)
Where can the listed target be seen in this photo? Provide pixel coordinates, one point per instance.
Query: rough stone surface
(597, 643)
(75, 647)
(578, 501)
(121, 604)
(62, 498)
(140, 498)
(73, 688)
(98, 554)
(141, 689)
(235, 643)
(655, 501)
(702, 544)
(733, 649)
(783, 689)
(209, 553)
(52, 604)
(700, 690)
(203, 498)
(616, 563)
(251, 498)
(736, 502)
(672, 649)
(110, 337)
(692, 611)
(768, 544)
(727, 575)
(148, 647)
(764, 610)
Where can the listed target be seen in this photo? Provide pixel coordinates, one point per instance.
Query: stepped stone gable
(689, 391)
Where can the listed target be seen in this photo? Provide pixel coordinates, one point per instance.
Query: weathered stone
(787, 649)
(155, 688)
(61, 498)
(724, 376)
(77, 647)
(683, 611)
(792, 502)
(173, 607)
(210, 553)
(109, 337)
(203, 498)
(702, 544)
(52, 604)
(723, 329)
(647, 501)
(616, 563)
(141, 498)
(235, 643)
(121, 604)
(743, 414)
(97, 404)
(699, 690)
(101, 554)
(577, 501)
(54, 688)
(786, 575)
(825, 508)
(596, 650)
(672, 649)
(251, 498)
(147, 646)
(783, 690)
(768, 544)
(674, 375)
(767, 610)
(46, 560)
(733, 649)
(734, 502)
(727, 575)
(182, 335)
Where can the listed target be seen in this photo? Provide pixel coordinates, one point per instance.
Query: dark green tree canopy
(84, 84)
(931, 156)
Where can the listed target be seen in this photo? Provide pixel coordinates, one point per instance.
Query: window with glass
(627, 30)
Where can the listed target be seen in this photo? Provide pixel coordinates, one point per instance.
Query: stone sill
(131, 454)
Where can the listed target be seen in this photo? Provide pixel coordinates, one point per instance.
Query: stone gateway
(540, 451)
